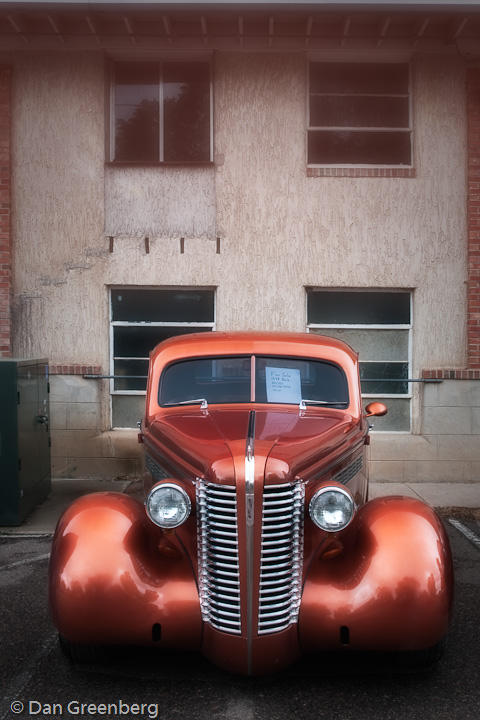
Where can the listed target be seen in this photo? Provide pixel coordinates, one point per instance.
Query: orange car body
(382, 583)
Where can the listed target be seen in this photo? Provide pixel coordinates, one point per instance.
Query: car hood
(212, 443)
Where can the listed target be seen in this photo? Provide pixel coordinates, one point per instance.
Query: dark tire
(81, 653)
(422, 660)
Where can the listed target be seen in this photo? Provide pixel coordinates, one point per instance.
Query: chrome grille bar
(281, 557)
(218, 571)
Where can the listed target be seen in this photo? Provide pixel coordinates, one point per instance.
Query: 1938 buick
(257, 542)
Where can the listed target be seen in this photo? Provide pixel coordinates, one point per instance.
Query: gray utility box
(25, 478)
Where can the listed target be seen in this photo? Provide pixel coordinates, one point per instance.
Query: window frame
(367, 166)
(125, 323)
(377, 326)
(111, 85)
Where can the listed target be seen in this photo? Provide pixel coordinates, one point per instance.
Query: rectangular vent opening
(344, 635)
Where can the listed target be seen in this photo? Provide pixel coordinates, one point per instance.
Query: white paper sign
(283, 385)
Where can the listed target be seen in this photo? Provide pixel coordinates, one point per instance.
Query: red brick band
(56, 369)
(5, 212)
(362, 172)
(473, 218)
(469, 374)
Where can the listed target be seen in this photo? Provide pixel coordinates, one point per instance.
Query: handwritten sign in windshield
(283, 385)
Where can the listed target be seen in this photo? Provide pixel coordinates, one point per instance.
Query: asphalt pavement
(38, 681)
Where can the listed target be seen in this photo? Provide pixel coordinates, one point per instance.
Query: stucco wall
(380, 232)
(341, 231)
(280, 230)
(168, 202)
(58, 202)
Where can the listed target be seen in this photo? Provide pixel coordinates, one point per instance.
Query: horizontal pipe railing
(402, 380)
(144, 377)
(115, 377)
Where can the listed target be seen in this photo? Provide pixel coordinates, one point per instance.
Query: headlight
(168, 505)
(332, 508)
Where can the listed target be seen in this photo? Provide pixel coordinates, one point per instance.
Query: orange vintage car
(256, 543)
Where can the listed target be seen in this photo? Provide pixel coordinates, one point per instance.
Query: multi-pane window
(140, 319)
(377, 324)
(359, 114)
(161, 112)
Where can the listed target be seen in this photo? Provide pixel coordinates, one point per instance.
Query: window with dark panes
(161, 112)
(377, 324)
(140, 319)
(359, 114)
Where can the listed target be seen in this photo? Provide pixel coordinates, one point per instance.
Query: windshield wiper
(305, 401)
(197, 401)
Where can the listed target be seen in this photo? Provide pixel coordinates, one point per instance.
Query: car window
(276, 380)
(217, 380)
(290, 380)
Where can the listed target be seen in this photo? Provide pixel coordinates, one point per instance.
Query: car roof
(239, 343)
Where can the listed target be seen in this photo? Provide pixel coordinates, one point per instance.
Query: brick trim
(473, 218)
(5, 212)
(56, 369)
(469, 374)
(362, 172)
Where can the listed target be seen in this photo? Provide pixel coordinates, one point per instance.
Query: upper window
(377, 324)
(161, 112)
(359, 114)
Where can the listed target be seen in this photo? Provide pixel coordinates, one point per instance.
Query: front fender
(390, 589)
(114, 575)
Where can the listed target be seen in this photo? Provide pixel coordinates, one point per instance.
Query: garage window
(140, 318)
(377, 324)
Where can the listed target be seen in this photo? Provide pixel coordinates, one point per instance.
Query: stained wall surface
(280, 230)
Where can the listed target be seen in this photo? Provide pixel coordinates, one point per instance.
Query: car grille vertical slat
(281, 557)
(218, 568)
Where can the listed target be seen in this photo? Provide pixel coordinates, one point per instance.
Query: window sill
(359, 172)
(391, 432)
(128, 392)
(142, 164)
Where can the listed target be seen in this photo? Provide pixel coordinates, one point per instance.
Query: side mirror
(376, 408)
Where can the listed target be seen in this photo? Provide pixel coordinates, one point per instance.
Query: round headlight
(332, 508)
(168, 505)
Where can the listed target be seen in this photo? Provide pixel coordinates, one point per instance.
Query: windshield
(263, 379)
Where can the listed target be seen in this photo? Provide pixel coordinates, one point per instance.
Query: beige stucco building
(333, 189)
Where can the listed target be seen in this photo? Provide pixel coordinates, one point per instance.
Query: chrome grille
(218, 556)
(345, 475)
(281, 557)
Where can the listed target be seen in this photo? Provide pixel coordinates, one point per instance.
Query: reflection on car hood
(213, 443)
